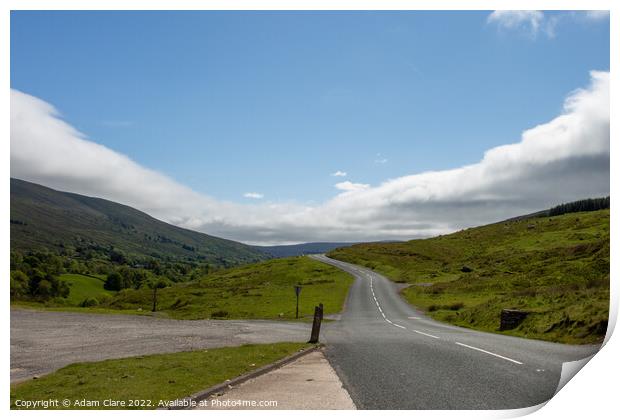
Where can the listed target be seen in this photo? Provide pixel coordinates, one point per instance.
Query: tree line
(590, 204)
(35, 275)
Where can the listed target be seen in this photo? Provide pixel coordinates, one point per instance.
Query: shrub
(114, 281)
(88, 302)
(455, 306)
(19, 284)
(219, 314)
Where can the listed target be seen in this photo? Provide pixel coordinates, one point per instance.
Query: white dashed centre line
(372, 289)
(374, 296)
(426, 334)
(488, 352)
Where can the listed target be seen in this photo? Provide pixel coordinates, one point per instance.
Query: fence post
(316, 324)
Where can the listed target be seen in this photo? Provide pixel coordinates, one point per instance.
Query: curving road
(390, 356)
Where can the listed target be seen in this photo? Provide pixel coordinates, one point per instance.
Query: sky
(284, 127)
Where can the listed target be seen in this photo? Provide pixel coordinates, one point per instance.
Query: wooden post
(316, 324)
(154, 300)
(297, 292)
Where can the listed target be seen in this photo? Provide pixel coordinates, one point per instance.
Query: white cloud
(533, 22)
(597, 14)
(517, 19)
(351, 186)
(254, 195)
(339, 173)
(564, 159)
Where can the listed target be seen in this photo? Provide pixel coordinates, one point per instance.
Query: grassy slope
(156, 377)
(263, 290)
(83, 287)
(557, 268)
(44, 218)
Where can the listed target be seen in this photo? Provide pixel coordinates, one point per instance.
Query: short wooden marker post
(316, 324)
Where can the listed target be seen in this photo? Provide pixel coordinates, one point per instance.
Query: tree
(114, 281)
(19, 284)
(44, 289)
(154, 284)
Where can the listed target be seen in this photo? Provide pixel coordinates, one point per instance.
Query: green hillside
(84, 287)
(557, 268)
(264, 290)
(42, 218)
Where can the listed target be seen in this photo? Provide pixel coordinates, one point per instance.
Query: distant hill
(43, 218)
(280, 251)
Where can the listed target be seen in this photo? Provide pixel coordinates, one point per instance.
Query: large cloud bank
(564, 159)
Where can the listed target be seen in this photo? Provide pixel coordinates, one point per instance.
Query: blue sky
(234, 123)
(275, 102)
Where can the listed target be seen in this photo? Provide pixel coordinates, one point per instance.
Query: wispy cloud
(533, 22)
(351, 186)
(339, 173)
(597, 14)
(564, 159)
(253, 195)
(380, 159)
(529, 20)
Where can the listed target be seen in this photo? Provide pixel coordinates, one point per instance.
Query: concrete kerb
(192, 400)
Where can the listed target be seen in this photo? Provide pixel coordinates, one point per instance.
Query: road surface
(390, 356)
(43, 341)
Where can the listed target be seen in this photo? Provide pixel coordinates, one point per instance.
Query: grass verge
(257, 291)
(142, 382)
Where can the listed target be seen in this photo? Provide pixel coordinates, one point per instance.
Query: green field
(259, 291)
(162, 377)
(557, 268)
(84, 287)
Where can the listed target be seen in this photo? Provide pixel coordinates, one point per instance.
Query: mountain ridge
(44, 218)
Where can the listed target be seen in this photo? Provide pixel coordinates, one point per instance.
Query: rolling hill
(555, 268)
(43, 218)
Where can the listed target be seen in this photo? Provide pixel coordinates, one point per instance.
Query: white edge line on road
(426, 334)
(488, 352)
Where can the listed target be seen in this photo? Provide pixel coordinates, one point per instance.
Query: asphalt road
(43, 341)
(390, 356)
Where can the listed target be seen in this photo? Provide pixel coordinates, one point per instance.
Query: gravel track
(44, 341)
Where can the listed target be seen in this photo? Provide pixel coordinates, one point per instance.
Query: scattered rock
(466, 269)
(511, 319)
